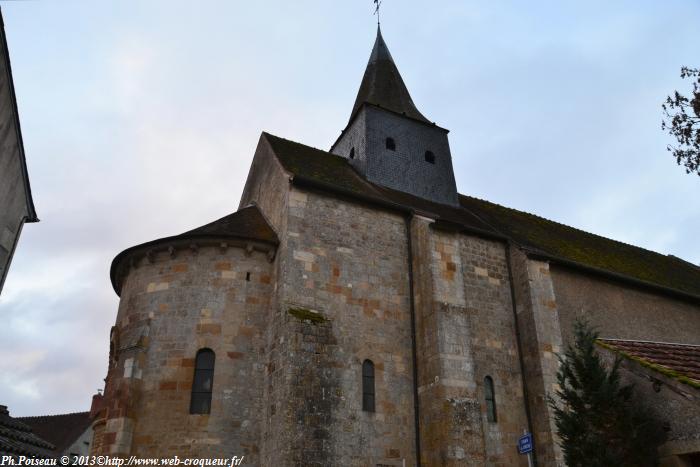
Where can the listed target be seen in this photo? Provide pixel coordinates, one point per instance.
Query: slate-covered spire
(382, 84)
(389, 142)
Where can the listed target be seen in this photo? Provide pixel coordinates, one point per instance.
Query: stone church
(356, 310)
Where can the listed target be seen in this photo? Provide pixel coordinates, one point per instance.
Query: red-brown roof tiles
(683, 359)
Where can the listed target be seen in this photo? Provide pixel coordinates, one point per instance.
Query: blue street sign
(525, 443)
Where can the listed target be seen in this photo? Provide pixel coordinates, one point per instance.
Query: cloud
(140, 121)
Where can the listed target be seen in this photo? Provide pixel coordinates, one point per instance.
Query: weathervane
(376, 9)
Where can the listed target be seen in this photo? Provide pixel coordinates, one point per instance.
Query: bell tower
(390, 142)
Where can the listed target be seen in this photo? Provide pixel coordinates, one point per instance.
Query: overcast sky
(140, 119)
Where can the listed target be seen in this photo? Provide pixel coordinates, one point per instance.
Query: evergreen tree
(599, 422)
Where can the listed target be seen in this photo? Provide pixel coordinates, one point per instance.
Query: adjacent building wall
(16, 206)
(81, 446)
(670, 402)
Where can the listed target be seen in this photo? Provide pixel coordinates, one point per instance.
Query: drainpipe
(416, 406)
(518, 340)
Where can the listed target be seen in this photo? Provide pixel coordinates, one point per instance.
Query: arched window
(368, 386)
(490, 397)
(352, 153)
(202, 383)
(429, 157)
(391, 144)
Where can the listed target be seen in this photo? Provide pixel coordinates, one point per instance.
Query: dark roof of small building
(247, 224)
(537, 235)
(5, 57)
(60, 430)
(383, 86)
(680, 361)
(17, 439)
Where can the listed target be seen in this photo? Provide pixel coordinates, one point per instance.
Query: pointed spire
(382, 84)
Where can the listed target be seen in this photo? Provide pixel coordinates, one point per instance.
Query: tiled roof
(60, 430)
(571, 244)
(17, 439)
(325, 168)
(556, 241)
(679, 360)
(318, 165)
(245, 223)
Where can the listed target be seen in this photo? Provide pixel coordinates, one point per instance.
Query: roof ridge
(580, 230)
(267, 133)
(87, 412)
(538, 235)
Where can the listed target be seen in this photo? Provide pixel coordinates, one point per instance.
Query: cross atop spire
(383, 86)
(376, 9)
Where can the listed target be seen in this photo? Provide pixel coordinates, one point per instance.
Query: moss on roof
(676, 361)
(319, 165)
(535, 233)
(568, 243)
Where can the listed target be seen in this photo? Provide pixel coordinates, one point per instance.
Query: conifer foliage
(599, 422)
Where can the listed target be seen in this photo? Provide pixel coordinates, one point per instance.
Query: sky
(140, 119)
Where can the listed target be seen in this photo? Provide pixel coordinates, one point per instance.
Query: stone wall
(343, 298)
(267, 187)
(622, 312)
(538, 323)
(494, 344)
(465, 332)
(172, 306)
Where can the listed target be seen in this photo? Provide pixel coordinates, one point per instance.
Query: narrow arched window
(368, 386)
(490, 397)
(352, 153)
(203, 381)
(429, 157)
(391, 144)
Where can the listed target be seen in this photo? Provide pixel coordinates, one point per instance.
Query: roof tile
(17, 439)
(683, 359)
(60, 430)
(535, 233)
